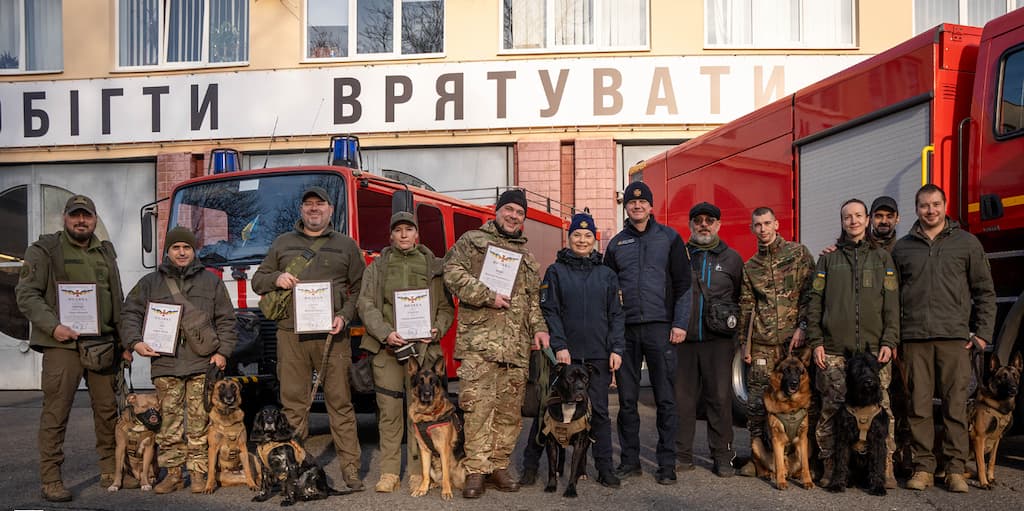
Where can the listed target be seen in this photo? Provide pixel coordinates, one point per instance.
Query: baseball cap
(404, 217)
(318, 191)
(885, 202)
(80, 202)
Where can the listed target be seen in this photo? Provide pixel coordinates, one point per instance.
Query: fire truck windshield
(237, 217)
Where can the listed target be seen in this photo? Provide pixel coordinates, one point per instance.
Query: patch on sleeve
(26, 270)
(819, 281)
(543, 292)
(890, 282)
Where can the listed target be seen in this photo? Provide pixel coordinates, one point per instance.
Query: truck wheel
(739, 389)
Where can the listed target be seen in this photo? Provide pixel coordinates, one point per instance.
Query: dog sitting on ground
(438, 430)
(230, 463)
(861, 429)
(566, 422)
(991, 415)
(135, 438)
(786, 401)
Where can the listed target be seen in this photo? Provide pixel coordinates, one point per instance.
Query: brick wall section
(171, 169)
(595, 183)
(568, 174)
(537, 169)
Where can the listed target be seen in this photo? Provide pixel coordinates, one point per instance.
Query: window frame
(853, 45)
(23, 47)
(963, 14)
(162, 63)
(997, 111)
(353, 38)
(549, 33)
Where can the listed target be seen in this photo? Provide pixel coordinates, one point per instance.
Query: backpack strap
(299, 263)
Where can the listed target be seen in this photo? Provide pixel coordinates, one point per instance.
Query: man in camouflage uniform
(772, 309)
(180, 378)
(74, 254)
(493, 342)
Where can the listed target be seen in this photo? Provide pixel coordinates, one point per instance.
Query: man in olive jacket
(405, 265)
(340, 261)
(949, 307)
(493, 340)
(853, 307)
(74, 254)
(180, 377)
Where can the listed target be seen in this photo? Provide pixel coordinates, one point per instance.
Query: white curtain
(928, 13)
(728, 22)
(184, 22)
(980, 12)
(775, 22)
(529, 23)
(44, 47)
(10, 34)
(826, 24)
(229, 30)
(779, 23)
(574, 22)
(623, 23)
(138, 26)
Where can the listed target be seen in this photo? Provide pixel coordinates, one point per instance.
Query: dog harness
(791, 422)
(263, 451)
(864, 416)
(423, 428)
(563, 431)
(1003, 420)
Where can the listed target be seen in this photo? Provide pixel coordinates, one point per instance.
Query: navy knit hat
(637, 190)
(582, 221)
(514, 196)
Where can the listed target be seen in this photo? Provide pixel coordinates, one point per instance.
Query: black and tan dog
(786, 401)
(230, 463)
(566, 422)
(991, 414)
(135, 438)
(438, 430)
(285, 463)
(861, 429)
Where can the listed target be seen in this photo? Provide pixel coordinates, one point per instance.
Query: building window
(779, 23)
(382, 28)
(929, 13)
(30, 36)
(575, 25)
(1010, 105)
(182, 33)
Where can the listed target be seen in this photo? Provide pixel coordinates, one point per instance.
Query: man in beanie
(650, 260)
(320, 253)
(495, 332)
(73, 254)
(405, 265)
(704, 360)
(180, 377)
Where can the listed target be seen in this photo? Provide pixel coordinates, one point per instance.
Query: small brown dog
(230, 462)
(438, 429)
(786, 401)
(991, 414)
(135, 437)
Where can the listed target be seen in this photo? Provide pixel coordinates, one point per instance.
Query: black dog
(861, 428)
(285, 462)
(567, 423)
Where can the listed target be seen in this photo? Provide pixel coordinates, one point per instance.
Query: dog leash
(320, 371)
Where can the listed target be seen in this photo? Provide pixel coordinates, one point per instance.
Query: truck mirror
(401, 200)
(147, 231)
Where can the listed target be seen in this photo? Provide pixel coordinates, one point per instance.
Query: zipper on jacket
(700, 307)
(856, 297)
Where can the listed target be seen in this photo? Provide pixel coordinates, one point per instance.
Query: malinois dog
(230, 463)
(786, 401)
(991, 414)
(135, 438)
(438, 429)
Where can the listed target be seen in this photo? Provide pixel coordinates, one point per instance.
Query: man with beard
(704, 359)
(73, 255)
(332, 256)
(885, 215)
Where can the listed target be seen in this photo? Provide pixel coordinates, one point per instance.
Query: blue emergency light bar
(224, 160)
(345, 151)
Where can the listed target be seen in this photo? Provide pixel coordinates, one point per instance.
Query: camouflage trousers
(763, 359)
(491, 394)
(182, 436)
(831, 386)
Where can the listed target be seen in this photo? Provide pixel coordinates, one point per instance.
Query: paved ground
(19, 480)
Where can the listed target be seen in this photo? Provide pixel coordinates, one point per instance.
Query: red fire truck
(238, 213)
(946, 107)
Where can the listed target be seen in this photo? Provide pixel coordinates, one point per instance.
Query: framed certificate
(500, 269)
(78, 307)
(314, 307)
(412, 313)
(160, 331)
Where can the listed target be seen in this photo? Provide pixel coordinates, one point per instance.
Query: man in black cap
(704, 359)
(74, 254)
(650, 260)
(319, 253)
(885, 215)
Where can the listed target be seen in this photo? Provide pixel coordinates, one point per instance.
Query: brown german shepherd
(991, 414)
(230, 463)
(438, 429)
(786, 401)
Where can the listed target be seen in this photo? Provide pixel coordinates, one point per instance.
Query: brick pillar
(537, 169)
(596, 185)
(171, 169)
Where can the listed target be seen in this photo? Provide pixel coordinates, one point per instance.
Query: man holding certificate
(497, 282)
(158, 322)
(71, 278)
(406, 311)
(303, 266)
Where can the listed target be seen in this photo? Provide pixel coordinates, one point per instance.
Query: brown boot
(890, 477)
(171, 482)
(502, 480)
(474, 488)
(56, 492)
(198, 482)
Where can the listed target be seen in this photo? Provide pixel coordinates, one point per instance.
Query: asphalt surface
(699, 489)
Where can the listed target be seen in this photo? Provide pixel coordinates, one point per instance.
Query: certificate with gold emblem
(314, 307)
(412, 313)
(160, 330)
(78, 307)
(500, 269)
